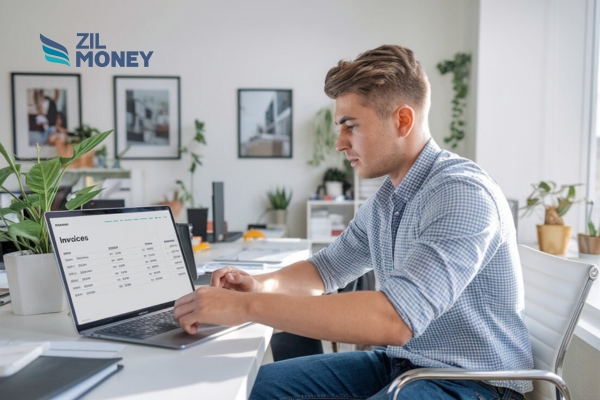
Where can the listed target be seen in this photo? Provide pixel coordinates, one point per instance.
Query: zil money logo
(54, 52)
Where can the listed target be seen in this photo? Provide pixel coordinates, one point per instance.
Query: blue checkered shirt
(443, 247)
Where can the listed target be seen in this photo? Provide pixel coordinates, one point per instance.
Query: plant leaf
(27, 229)
(592, 229)
(6, 172)
(7, 157)
(81, 199)
(563, 206)
(42, 176)
(544, 186)
(5, 212)
(86, 145)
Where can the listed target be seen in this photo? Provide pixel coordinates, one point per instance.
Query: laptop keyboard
(143, 328)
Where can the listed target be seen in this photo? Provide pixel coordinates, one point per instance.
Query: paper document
(272, 256)
(213, 266)
(78, 349)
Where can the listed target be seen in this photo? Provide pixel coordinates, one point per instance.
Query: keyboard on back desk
(144, 327)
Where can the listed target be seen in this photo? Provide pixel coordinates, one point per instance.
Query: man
(439, 236)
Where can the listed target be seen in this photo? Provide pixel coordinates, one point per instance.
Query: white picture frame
(147, 117)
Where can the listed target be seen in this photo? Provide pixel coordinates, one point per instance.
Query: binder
(63, 377)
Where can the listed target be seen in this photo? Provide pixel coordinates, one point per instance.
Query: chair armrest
(475, 375)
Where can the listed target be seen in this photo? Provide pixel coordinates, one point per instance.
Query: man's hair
(382, 76)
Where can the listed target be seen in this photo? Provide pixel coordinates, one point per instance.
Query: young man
(439, 236)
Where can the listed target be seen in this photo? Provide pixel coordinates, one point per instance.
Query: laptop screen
(115, 263)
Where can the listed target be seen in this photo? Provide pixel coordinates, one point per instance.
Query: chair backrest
(555, 293)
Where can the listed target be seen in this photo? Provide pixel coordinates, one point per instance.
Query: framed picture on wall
(147, 117)
(45, 106)
(264, 123)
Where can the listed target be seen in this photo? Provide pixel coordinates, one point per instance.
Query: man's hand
(234, 279)
(210, 305)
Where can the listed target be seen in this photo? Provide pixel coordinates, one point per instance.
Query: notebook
(122, 270)
(58, 377)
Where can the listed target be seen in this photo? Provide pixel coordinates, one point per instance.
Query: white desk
(296, 250)
(223, 368)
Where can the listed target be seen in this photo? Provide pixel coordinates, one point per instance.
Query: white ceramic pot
(280, 217)
(334, 188)
(35, 284)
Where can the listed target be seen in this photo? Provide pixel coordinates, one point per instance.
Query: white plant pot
(34, 283)
(334, 188)
(280, 217)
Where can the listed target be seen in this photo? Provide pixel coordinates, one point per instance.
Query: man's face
(370, 143)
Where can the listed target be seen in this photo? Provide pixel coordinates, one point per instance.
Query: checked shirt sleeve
(458, 233)
(348, 256)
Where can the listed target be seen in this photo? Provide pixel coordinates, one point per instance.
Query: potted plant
(556, 201)
(589, 245)
(280, 200)
(325, 136)
(100, 156)
(64, 141)
(175, 203)
(197, 215)
(32, 273)
(334, 182)
(119, 157)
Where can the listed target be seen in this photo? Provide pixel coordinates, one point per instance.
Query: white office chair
(555, 293)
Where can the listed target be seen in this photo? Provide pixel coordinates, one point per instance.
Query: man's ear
(404, 118)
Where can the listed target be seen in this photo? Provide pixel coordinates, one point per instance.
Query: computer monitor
(104, 203)
(218, 209)
(220, 233)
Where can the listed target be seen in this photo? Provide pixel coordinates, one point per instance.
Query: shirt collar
(415, 177)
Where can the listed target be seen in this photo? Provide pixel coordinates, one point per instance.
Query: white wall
(217, 47)
(533, 97)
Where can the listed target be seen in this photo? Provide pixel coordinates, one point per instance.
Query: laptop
(122, 270)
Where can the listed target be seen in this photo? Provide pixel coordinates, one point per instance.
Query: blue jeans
(360, 375)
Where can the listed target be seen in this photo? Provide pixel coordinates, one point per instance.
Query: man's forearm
(359, 317)
(300, 279)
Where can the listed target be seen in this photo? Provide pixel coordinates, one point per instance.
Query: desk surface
(222, 368)
(297, 249)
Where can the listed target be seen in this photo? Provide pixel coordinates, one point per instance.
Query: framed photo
(147, 117)
(44, 106)
(264, 123)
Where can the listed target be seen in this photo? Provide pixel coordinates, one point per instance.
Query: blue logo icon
(55, 52)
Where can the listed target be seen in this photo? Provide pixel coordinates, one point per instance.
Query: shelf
(331, 202)
(100, 172)
(323, 239)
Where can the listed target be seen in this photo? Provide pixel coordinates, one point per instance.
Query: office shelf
(347, 208)
(117, 183)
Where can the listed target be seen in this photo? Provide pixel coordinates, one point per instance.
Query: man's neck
(413, 150)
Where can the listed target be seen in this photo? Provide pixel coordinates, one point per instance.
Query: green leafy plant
(23, 220)
(325, 136)
(334, 174)
(592, 230)
(555, 200)
(101, 151)
(81, 133)
(279, 199)
(460, 67)
(199, 139)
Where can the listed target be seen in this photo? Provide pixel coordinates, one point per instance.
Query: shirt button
(397, 213)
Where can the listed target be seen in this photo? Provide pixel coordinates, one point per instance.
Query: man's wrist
(249, 306)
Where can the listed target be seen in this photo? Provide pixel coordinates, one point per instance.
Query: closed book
(62, 377)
